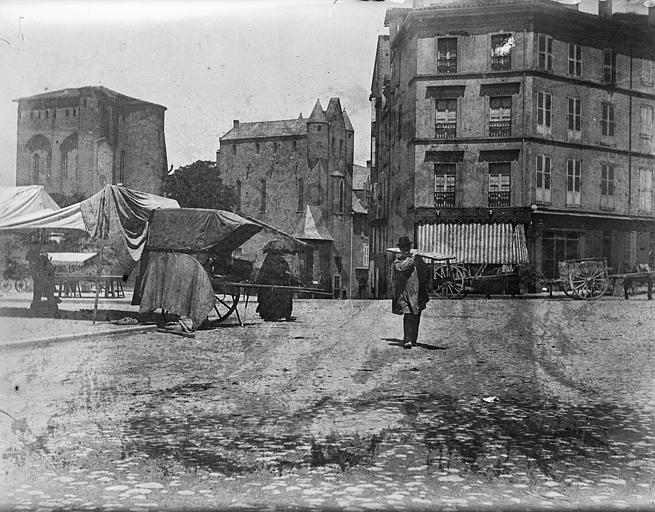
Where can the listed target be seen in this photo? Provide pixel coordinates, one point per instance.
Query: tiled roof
(317, 115)
(260, 129)
(78, 91)
(357, 206)
(333, 107)
(312, 226)
(346, 122)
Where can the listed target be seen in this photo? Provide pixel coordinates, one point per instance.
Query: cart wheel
(225, 303)
(564, 287)
(589, 282)
(20, 285)
(5, 286)
(449, 281)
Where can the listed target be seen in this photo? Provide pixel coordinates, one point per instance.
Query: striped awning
(475, 243)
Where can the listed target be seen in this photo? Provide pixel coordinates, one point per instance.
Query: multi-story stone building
(516, 130)
(378, 207)
(78, 140)
(296, 175)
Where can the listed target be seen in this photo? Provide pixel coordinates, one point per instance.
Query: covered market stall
(116, 218)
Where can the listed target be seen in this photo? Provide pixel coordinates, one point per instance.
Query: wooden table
(111, 283)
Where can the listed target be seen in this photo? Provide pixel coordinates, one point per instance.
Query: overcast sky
(208, 62)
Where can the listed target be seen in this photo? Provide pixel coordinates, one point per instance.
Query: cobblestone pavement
(74, 317)
(505, 404)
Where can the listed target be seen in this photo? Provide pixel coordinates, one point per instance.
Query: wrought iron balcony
(499, 199)
(444, 199)
(500, 128)
(501, 63)
(445, 130)
(448, 66)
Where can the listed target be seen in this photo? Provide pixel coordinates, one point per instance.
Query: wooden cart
(583, 279)
(228, 294)
(642, 275)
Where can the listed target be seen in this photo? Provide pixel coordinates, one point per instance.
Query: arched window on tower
(35, 167)
(238, 196)
(342, 196)
(262, 184)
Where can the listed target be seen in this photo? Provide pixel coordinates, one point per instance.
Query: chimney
(605, 8)
(236, 123)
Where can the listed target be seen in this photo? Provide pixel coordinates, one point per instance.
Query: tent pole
(95, 302)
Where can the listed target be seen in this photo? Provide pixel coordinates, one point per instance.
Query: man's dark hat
(404, 241)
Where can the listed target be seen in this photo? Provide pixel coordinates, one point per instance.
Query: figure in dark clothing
(274, 304)
(410, 290)
(43, 275)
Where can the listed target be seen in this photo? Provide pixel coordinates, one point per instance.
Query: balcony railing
(444, 199)
(448, 66)
(499, 199)
(500, 128)
(445, 130)
(501, 63)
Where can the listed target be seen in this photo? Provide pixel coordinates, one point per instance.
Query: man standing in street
(410, 293)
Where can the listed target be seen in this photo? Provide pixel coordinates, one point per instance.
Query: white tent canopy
(113, 212)
(17, 202)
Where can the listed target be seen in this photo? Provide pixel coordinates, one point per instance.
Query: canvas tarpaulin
(120, 211)
(69, 218)
(195, 230)
(15, 202)
(115, 214)
(178, 284)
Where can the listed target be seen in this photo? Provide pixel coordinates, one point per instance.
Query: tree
(199, 185)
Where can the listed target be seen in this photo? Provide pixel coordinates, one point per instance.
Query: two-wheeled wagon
(187, 268)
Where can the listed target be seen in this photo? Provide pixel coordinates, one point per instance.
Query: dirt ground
(505, 404)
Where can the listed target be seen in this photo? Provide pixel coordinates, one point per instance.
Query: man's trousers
(410, 327)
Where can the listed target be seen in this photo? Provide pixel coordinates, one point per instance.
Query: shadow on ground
(400, 343)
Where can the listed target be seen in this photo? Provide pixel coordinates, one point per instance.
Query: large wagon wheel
(565, 287)
(21, 285)
(225, 302)
(5, 285)
(449, 281)
(589, 281)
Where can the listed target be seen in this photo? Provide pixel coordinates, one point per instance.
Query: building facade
(516, 131)
(78, 140)
(296, 175)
